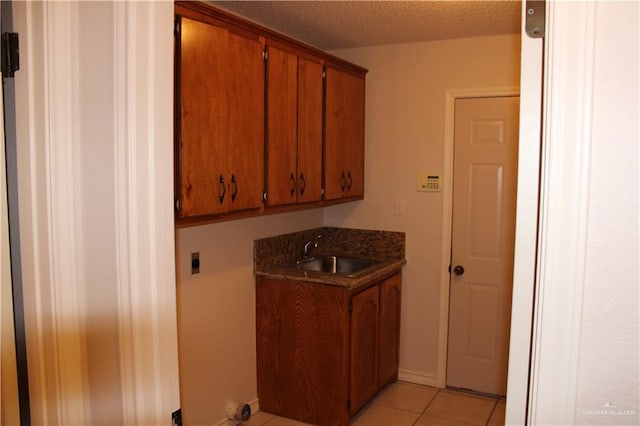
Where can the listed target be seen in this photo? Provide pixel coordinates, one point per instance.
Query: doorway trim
(451, 96)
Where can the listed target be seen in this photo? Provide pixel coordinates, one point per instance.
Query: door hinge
(535, 20)
(264, 196)
(176, 417)
(10, 54)
(350, 307)
(265, 55)
(324, 75)
(177, 205)
(176, 27)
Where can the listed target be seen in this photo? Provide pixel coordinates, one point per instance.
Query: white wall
(216, 311)
(405, 111)
(608, 354)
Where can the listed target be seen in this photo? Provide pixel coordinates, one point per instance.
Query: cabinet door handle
(292, 187)
(234, 188)
(304, 184)
(223, 189)
(349, 181)
(343, 182)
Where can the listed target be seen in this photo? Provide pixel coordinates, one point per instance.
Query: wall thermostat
(429, 182)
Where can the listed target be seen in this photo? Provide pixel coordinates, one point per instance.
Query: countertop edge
(373, 273)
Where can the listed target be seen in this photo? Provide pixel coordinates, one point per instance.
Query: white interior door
(483, 227)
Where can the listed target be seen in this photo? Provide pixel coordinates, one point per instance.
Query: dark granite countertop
(385, 246)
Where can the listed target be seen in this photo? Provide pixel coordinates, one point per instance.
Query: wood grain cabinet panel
(364, 347)
(323, 351)
(258, 113)
(294, 123)
(344, 134)
(389, 326)
(220, 95)
(310, 103)
(302, 351)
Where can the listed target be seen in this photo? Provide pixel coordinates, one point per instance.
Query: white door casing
(526, 226)
(53, 196)
(486, 136)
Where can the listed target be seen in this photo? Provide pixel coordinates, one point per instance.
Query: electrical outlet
(195, 263)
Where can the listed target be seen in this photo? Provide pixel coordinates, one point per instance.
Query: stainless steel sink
(332, 264)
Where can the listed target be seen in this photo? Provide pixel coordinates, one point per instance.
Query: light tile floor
(401, 404)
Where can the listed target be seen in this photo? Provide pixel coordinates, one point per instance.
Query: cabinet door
(344, 137)
(245, 115)
(282, 95)
(310, 99)
(302, 344)
(364, 347)
(221, 101)
(294, 120)
(203, 155)
(389, 335)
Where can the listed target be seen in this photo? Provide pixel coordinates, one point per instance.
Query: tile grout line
(495, 404)
(427, 407)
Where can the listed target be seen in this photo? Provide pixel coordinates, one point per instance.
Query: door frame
(452, 97)
(48, 99)
(447, 211)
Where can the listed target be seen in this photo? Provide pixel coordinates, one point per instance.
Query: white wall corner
(143, 68)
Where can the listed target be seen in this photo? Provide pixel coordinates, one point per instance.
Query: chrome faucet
(312, 242)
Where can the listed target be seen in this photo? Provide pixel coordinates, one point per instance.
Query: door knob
(458, 270)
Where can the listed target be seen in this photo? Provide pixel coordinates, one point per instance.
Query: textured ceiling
(342, 24)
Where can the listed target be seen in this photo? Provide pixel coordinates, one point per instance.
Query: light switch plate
(429, 182)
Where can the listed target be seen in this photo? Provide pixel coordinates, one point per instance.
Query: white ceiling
(342, 24)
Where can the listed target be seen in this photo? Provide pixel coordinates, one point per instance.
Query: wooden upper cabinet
(344, 134)
(244, 127)
(294, 128)
(310, 97)
(220, 104)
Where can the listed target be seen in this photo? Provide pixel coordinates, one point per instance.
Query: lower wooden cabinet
(323, 351)
(364, 347)
(389, 330)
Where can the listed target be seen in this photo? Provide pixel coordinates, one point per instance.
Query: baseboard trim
(418, 378)
(255, 407)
